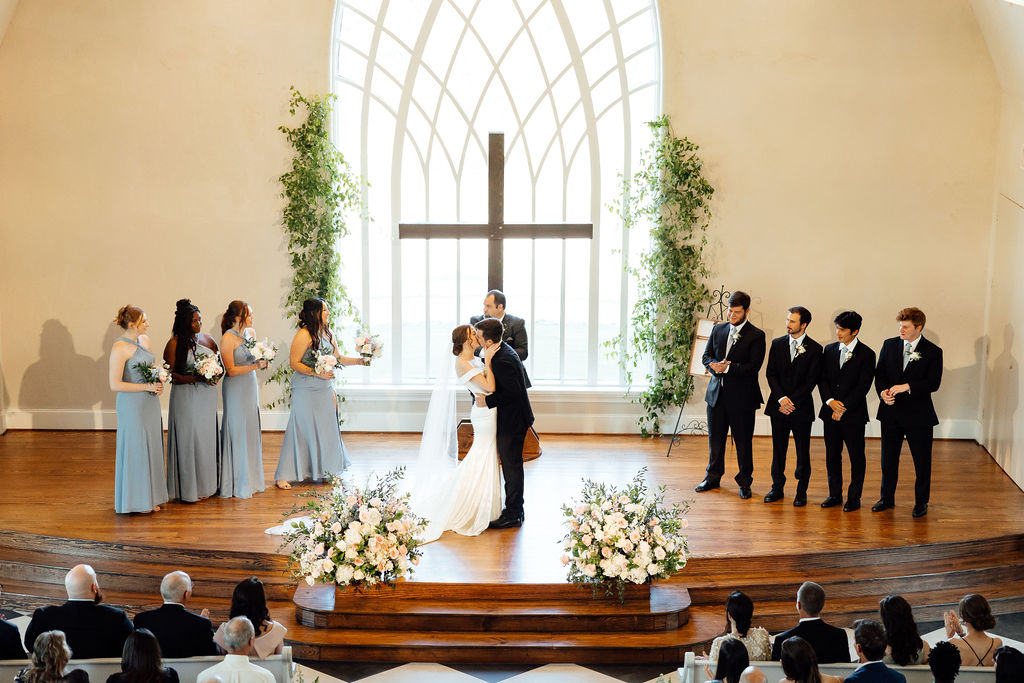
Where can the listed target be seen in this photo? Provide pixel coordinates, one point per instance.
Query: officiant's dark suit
(91, 630)
(912, 416)
(733, 396)
(849, 385)
(792, 373)
(514, 334)
(179, 632)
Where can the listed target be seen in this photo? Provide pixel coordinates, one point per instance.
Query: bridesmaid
(139, 484)
(193, 443)
(241, 465)
(312, 446)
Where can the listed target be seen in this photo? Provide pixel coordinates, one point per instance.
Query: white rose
(336, 527)
(358, 575)
(659, 553)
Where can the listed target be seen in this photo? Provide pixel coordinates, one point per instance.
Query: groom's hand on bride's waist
(481, 401)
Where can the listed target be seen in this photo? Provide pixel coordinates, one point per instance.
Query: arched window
(420, 83)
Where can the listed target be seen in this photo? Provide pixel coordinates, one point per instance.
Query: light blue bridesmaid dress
(312, 445)
(241, 450)
(193, 439)
(139, 483)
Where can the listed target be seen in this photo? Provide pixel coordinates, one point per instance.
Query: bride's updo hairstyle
(460, 335)
(127, 315)
(236, 309)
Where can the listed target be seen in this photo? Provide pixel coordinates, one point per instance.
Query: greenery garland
(671, 195)
(321, 189)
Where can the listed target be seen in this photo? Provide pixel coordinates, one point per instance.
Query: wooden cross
(495, 230)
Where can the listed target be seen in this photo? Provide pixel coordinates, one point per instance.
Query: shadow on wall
(62, 379)
(4, 399)
(1002, 400)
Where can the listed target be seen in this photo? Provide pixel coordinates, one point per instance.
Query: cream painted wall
(138, 157)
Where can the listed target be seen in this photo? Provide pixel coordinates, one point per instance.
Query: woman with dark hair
(976, 647)
(250, 601)
(140, 484)
(739, 611)
(241, 439)
(905, 646)
(141, 661)
(312, 446)
(193, 440)
(800, 664)
(1009, 665)
(50, 654)
(732, 660)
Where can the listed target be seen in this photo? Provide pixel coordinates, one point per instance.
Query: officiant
(514, 333)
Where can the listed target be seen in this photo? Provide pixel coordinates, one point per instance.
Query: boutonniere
(916, 355)
(800, 350)
(735, 336)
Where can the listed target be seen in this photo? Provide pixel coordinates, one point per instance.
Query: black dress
(167, 675)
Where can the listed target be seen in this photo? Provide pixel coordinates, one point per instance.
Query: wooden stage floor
(61, 484)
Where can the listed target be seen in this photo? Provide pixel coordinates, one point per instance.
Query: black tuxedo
(179, 632)
(10, 642)
(733, 397)
(912, 416)
(515, 416)
(793, 379)
(514, 334)
(829, 642)
(848, 385)
(91, 630)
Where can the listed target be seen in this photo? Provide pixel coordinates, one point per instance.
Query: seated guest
(732, 660)
(830, 643)
(905, 645)
(239, 639)
(249, 600)
(869, 637)
(10, 641)
(944, 661)
(799, 663)
(179, 632)
(50, 654)
(1009, 665)
(753, 675)
(91, 629)
(141, 662)
(739, 610)
(968, 631)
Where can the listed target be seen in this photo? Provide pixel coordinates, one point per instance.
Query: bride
(462, 497)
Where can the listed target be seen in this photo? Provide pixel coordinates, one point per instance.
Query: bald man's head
(81, 584)
(174, 587)
(753, 675)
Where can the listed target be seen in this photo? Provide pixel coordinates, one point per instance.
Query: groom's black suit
(515, 416)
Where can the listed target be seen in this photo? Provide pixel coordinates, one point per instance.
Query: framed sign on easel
(701, 335)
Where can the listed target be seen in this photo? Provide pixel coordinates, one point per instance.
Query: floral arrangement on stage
(154, 372)
(369, 345)
(325, 362)
(262, 350)
(621, 536)
(355, 536)
(209, 369)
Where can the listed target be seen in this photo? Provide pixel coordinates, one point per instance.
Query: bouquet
(209, 369)
(325, 362)
(623, 535)
(355, 536)
(262, 350)
(155, 372)
(369, 345)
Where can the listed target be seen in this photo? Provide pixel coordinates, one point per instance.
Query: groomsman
(792, 372)
(847, 367)
(909, 371)
(733, 356)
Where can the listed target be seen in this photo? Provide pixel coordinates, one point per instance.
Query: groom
(514, 417)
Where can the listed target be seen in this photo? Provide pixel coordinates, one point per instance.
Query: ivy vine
(670, 196)
(320, 189)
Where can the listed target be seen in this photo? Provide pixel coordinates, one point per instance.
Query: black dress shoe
(920, 510)
(851, 505)
(882, 505)
(745, 492)
(706, 485)
(773, 496)
(831, 502)
(800, 501)
(499, 523)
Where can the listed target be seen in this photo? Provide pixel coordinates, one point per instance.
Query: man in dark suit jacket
(847, 367)
(829, 642)
(909, 371)
(794, 360)
(179, 632)
(515, 416)
(91, 629)
(10, 641)
(514, 333)
(870, 640)
(733, 356)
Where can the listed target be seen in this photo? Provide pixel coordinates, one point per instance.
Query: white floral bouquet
(209, 368)
(155, 372)
(262, 350)
(620, 536)
(325, 362)
(355, 537)
(369, 345)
